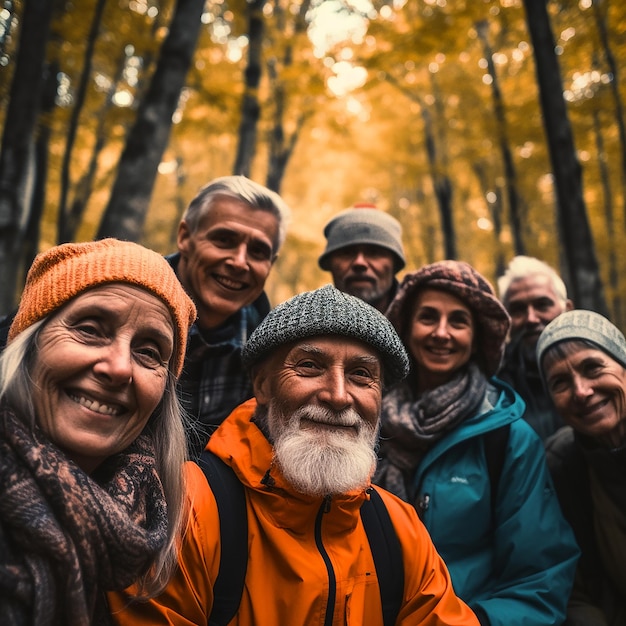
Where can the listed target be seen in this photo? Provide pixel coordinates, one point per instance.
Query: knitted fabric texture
(66, 537)
(581, 324)
(329, 311)
(410, 425)
(363, 226)
(463, 281)
(61, 273)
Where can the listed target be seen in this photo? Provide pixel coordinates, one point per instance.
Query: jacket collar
(242, 445)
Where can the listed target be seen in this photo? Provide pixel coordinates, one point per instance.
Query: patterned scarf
(410, 427)
(65, 536)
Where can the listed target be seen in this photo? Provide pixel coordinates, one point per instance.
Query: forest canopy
(446, 114)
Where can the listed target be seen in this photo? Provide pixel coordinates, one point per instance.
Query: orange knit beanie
(61, 273)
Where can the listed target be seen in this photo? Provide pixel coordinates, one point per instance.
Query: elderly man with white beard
(304, 451)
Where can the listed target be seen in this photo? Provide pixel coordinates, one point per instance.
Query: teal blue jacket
(512, 560)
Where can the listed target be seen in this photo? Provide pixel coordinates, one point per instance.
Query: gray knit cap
(581, 324)
(363, 226)
(329, 311)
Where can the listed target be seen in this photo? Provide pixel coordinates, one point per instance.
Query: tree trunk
(250, 107)
(126, 210)
(30, 241)
(495, 210)
(84, 187)
(607, 192)
(281, 143)
(17, 140)
(600, 18)
(63, 232)
(582, 266)
(440, 180)
(510, 174)
(442, 187)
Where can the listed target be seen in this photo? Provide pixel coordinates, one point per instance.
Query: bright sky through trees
(332, 25)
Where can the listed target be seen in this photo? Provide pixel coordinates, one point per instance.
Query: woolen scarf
(67, 537)
(411, 426)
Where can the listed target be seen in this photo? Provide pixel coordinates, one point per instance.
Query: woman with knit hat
(92, 439)
(582, 360)
(453, 443)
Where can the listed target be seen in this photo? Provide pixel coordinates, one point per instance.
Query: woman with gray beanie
(582, 360)
(454, 445)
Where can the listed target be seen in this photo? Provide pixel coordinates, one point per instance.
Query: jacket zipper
(332, 581)
(422, 505)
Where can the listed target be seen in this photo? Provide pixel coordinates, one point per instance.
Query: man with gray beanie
(303, 451)
(364, 253)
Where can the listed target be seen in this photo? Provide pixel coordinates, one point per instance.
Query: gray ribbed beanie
(581, 324)
(329, 311)
(363, 226)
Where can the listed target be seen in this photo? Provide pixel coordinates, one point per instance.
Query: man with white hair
(304, 450)
(533, 294)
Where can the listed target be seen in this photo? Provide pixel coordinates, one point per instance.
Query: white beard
(321, 461)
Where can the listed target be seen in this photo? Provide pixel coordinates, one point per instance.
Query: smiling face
(588, 389)
(364, 271)
(224, 264)
(440, 337)
(532, 303)
(323, 397)
(101, 369)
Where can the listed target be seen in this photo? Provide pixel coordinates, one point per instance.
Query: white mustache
(346, 418)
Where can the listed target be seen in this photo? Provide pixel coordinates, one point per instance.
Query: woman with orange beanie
(92, 439)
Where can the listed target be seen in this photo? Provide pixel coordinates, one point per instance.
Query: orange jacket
(287, 581)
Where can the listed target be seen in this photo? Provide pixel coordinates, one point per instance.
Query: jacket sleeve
(188, 597)
(535, 552)
(428, 594)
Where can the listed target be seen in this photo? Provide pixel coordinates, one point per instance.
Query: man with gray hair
(304, 451)
(364, 253)
(228, 240)
(533, 294)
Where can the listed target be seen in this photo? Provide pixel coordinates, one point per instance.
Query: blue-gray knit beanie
(360, 226)
(587, 325)
(329, 311)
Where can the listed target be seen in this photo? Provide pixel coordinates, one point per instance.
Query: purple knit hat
(463, 281)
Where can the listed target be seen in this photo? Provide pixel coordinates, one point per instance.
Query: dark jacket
(5, 324)
(525, 379)
(213, 381)
(598, 597)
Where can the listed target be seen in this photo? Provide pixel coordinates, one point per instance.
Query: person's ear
(569, 305)
(261, 385)
(183, 237)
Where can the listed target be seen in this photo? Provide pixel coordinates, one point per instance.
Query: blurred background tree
(449, 115)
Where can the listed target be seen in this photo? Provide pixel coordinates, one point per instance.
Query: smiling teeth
(232, 284)
(94, 405)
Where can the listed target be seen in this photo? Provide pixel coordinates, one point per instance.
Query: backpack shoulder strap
(496, 442)
(387, 554)
(231, 504)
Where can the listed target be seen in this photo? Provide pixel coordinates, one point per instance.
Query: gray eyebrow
(365, 358)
